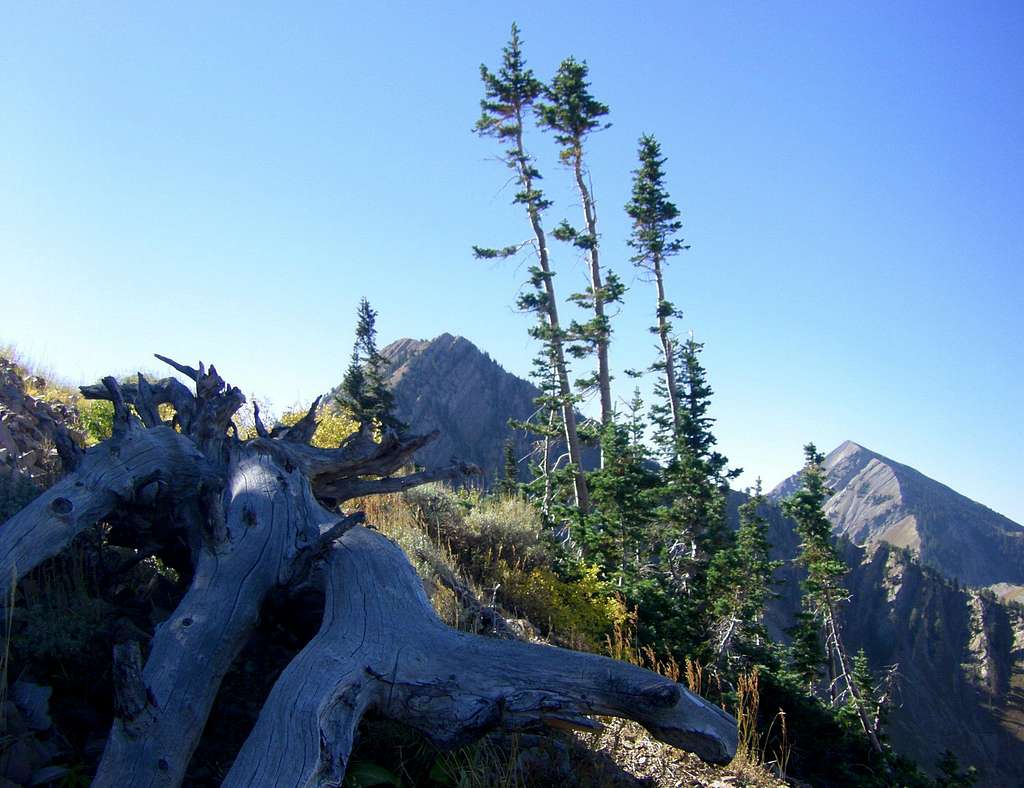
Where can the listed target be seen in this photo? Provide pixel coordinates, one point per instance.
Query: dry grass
(752, 753)
(482, 764)
(394, 517)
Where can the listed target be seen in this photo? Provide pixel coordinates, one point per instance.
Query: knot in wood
(62, 506)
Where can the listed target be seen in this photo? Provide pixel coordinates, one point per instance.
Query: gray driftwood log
(261, 517)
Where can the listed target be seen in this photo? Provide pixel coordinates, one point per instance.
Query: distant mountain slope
(448, 384)
(879, 500)
(959, 650)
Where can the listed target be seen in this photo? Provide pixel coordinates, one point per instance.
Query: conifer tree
(806, 649)
(509, 96)
(572, 113)
(655, 225)
(364, 390)
(696, 478)
(546, 425)
(353, 387)
(740, 578)
(508, 484)
(617, 534)
(951, 775)
(823, 590)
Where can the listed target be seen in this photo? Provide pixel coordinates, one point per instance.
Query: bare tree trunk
(597, 288)
(572, 440)
(841, 657)
(668, 348)
(546, 470)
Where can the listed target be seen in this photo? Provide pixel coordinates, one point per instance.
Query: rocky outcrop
(450, 385)
(879, 500)
(961, 661)
(28, 429)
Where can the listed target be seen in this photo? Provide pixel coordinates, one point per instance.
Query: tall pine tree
(655, 225)
(697, 481)
(364, 390)
(740, 580)
(509, 95)
(572, 114)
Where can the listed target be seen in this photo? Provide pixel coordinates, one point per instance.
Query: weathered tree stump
(260, 517)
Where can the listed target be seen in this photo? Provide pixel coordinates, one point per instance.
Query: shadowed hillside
(959, 651)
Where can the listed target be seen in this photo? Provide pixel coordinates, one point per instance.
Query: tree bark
(597, 288)
(668, 348)
(271, 516)
(143, 462)
(572, 440)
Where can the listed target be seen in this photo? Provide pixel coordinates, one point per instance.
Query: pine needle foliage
(364, 390)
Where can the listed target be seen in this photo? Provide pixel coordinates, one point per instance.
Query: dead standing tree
(260, 518)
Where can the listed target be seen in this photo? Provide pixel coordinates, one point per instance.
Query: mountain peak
(876, 499)
(447, 383)
(848, 447)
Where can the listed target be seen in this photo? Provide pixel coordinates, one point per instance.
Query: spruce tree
(740, 579)
(545, 424)
(364, 389)
(655, 225)
(696, 479)
(806, 649)
(353, 388)
(509, 96)
(508, 484)
(616, 535)
(823, 591)
(951, 775)
(572, 113)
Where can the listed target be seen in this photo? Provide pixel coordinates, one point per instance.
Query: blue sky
(225, 183)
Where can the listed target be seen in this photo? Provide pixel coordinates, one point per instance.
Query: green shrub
(504, 529)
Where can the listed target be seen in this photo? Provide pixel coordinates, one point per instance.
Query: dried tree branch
(113, 472)
(345, 488)
(302, 430)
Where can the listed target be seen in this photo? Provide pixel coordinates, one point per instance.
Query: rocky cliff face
(959, 651)
(878, 500)
(961, 661)
(448, 384)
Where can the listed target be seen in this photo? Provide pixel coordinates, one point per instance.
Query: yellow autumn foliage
(332, 426)
(580, 611)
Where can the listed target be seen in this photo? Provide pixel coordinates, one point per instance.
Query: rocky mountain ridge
(877, 500)
(450, 385)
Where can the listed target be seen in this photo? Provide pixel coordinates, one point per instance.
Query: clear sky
(225, 181)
